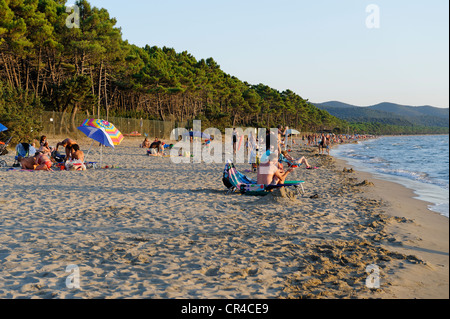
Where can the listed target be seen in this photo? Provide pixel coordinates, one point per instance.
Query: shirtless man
(42, 162)
(67, 143)
(77, 154)
(271, 173)
(26, 162)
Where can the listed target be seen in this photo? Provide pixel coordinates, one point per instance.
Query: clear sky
(322, 50)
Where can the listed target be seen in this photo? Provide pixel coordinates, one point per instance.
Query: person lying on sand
(292, 161)
(26, 162)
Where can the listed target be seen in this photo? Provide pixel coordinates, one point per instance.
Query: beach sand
(149, 228)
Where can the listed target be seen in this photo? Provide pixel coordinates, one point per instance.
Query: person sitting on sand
(45, 149)
(76, 161)
(146, 143)
(42, 140)
(76, 153)
(67, 143)
(271, 172)
(156, 148)
(42, 162)
(292, 161)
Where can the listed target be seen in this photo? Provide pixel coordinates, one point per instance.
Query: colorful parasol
(109, 128)
(97, 134)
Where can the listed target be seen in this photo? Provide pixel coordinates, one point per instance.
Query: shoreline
(426, 237)
(422, 191)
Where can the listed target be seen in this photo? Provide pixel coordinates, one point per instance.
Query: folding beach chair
(235, 181)
(23, 150)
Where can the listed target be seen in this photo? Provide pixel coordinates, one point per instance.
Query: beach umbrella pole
(87, 154)
(101, 156)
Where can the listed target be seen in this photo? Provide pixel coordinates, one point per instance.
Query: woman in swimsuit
(43, 162)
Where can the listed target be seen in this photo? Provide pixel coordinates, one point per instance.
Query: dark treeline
(44, 65)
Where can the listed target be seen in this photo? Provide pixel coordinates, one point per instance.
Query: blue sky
(322, 50)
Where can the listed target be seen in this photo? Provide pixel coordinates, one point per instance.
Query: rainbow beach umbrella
(103, 132)
(109, 128)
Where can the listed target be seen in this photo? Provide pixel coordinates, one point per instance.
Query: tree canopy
(45, 65)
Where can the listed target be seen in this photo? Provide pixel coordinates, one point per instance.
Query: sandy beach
(149, 228)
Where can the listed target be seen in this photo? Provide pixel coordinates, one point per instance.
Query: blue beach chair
(235, 181)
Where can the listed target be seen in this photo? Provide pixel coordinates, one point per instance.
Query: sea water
(420, 163)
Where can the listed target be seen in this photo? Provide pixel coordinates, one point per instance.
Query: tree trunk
(72, 120)
(99, 89)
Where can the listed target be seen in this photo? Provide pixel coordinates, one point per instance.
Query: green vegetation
(44, 65)
(92, 70)
(389, 118)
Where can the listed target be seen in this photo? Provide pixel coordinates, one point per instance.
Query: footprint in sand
(212, 271)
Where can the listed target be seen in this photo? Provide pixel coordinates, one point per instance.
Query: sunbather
(76, 153)
(156, 149)
(146, 143)
(42, 162)
(26, 162)
(293, 162)
(45, 149)
(270, 172)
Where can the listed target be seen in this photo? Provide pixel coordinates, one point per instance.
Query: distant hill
(388, 113)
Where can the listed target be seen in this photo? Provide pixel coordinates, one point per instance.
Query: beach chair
(4, 151)
(23, 150)
(235, 181)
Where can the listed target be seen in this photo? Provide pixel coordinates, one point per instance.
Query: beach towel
(75, 165)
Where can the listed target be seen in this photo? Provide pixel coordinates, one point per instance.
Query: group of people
(155, 148)
(42, 159)
(324, 141)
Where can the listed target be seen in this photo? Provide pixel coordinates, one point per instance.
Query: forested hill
(421, 119)
(44, 65)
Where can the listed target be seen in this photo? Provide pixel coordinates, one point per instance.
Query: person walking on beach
(327, 145)
(322, 144)
(235, 137)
